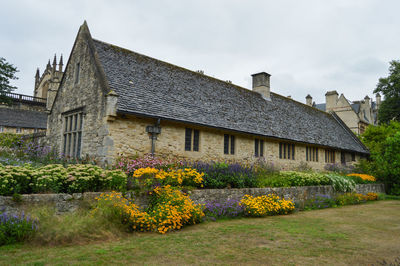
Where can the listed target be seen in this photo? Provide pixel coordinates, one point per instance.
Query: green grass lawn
(360, 234)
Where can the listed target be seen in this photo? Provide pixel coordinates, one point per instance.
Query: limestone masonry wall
(68, 203)
(81, 89)
(129, 137)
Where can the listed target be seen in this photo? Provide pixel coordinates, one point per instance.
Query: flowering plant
(230, 208)
(145, 178)
(169, 209)
(129, 166)
(364, 177)
(16, 228)
(266, 205)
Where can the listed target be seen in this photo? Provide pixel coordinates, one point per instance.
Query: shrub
(15, 228)
(230, 208)
(56, 178)
(49, 178)
(224, 175)
(15, 179)
(342, 183)
(266, 205)
(304, 179)
(10, 140)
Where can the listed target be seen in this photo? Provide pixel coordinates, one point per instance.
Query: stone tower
(47, 84)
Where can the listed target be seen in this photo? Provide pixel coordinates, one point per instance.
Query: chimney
(309, 100)
(378, 100)
(261, 84)
(366, 99)
(331, 98)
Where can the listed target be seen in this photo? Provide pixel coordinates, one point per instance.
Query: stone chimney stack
(378, 100)
(261, 84)
(309, 100)
(331, 98)
(366, 99)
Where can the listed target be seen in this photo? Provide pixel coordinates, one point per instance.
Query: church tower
(46, 85)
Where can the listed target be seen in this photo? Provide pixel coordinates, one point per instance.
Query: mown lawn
(361, 234)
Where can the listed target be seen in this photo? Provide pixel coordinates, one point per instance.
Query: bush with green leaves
(15, 179)
(58, 179)
(10, 140)
(342, 183)
(49, 178)
(294, 178)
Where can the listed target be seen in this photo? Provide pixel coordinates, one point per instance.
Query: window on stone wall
(72, 136)
(353, 156)
(192, 136)
(258, 148)
(229, 144)
(311, 154)
(1, 129)
(329, 156)
(286, 151)
(18, 130)
(77, 72)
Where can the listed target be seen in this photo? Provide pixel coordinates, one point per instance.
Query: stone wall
(298, 194)
(83, 90)
(67, 203)
(129, 137)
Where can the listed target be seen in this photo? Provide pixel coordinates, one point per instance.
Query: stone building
(28, 114)
(46, 85)
(113, 101)
(24, 115)
(357, 115)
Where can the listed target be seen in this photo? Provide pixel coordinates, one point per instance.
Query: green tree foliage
(390, 87)
(7, 73)
(389, 164)
(389, 110)
(384, 144)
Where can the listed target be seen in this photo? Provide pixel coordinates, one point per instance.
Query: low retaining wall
(71, 202)
(298, 194)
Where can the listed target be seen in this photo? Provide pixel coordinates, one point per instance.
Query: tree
(7, 73)
(383, 142)
(390, 87)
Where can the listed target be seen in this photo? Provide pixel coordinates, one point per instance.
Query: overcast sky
(309, 47)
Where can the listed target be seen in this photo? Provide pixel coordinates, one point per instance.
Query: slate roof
(356, 107)
(22, 118)
(150, 87)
